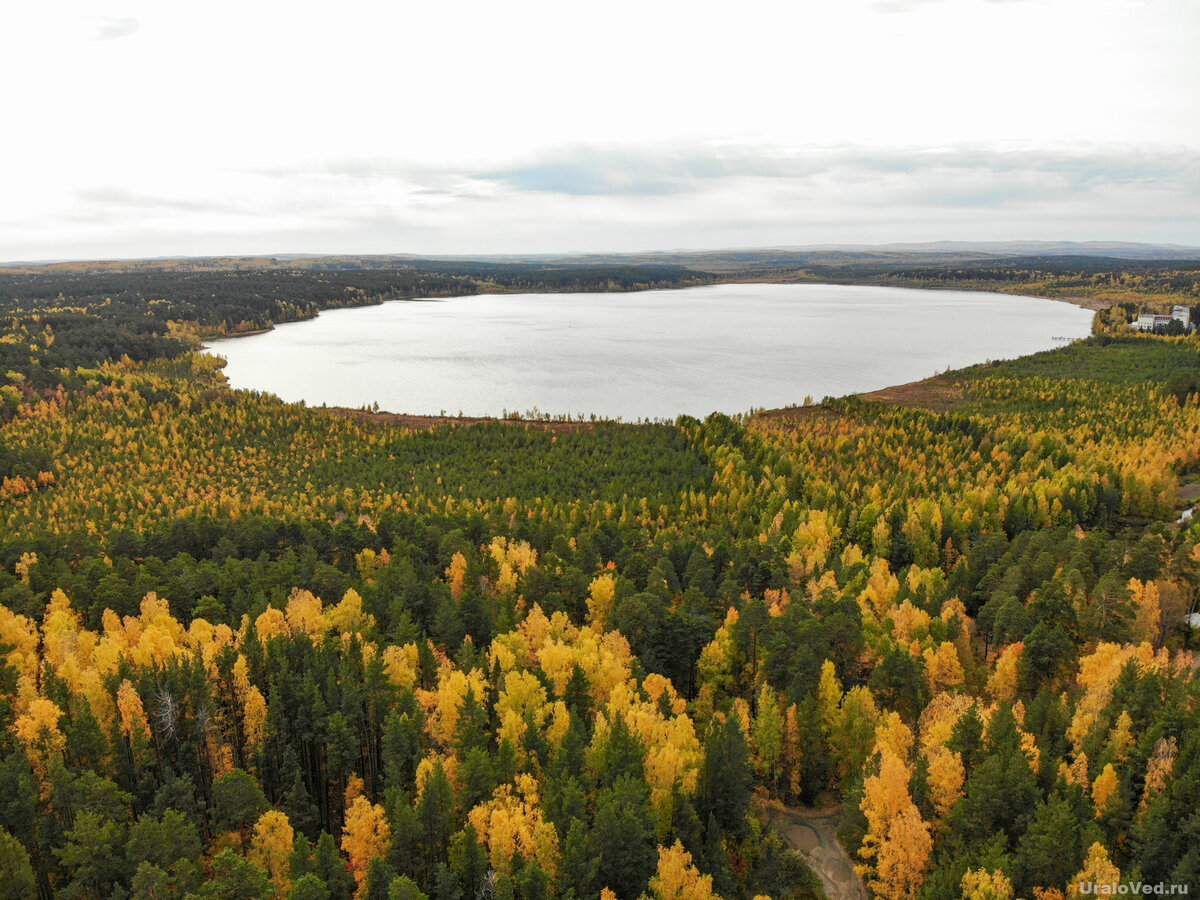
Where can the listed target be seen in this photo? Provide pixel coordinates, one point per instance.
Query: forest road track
(813, 834)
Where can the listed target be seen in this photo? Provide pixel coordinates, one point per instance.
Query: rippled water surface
(654, 354)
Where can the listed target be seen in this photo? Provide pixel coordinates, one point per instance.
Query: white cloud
(422, 126)
(642, 197)
(114, 29)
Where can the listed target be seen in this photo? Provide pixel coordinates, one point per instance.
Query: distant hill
(1112, 249)
(729, 260)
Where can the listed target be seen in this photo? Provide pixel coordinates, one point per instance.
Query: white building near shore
(1151, 321)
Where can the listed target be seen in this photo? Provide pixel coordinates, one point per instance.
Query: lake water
(653, 354)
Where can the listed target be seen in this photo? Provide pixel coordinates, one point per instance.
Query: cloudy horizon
(146, 131)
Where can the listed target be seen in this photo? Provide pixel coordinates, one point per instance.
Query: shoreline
(933, 393)
(419, 422)
(1082, 302)
(240, 334)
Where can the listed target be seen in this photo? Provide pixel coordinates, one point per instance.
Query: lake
(652, 354)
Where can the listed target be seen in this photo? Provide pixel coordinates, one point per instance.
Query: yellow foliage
(511, 824)
(348, 616)
(522, 696)
(1147, 606)
(792, 749)
(812, 544)
(558, 662)
(537, 630)
(829, 697)
(402, 664)
(716, 659)
(940, 716)
(1120, 739)
(673, 752)
(202, 637)
(1158, 770)
(954, 607)
(60, 630)
(426, 767)
(270, 847)
(512, 560)
(455, 573)
(602, 594)
(942, 667)
(304, 614)
(1030, 748)
(1002, 684)
(1103, 788)
(160, 636)
(908, 622)
(272, 623)
(254, 718)
(442, 704)
(878, 597)
(979, 884)
(818, 586)
(558, 646)
(241, 676)
(519, 554)
(767, 733)
(133, 714)
(21, 634)
(853, 737)
(368, 563)
(677, 879)
(946, 777)
(852, 555)
(1077, 772)
(656, 686)
(37, 730)
(1097, 872)
(1098, 672)
(27, 561)
(354, 788)
(366, 835)
(891, 733)
(508, 652)
(897, 844)
(559, 723)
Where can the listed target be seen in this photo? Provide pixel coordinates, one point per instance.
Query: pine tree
(435, 821)
(725, 776)
(330, 867)
(16, 871)
(622, 838)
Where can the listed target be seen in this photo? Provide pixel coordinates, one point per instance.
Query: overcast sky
(158, 128)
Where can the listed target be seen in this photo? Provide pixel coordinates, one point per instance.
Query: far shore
(935, 393)
(1083, 302)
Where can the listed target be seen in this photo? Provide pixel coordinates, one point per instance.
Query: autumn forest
(251, 649)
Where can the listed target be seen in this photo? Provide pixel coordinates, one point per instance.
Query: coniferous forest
(259, 650)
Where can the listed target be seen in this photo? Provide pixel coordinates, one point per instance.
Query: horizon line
(914, 247)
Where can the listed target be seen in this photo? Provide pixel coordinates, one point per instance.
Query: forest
(1119, 289)
(260, 650)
